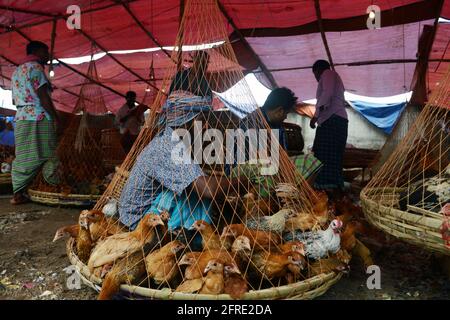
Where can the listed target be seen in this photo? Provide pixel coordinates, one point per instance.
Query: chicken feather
(121, 244)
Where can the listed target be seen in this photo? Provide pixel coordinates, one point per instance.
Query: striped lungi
(307, 165)
(35, 146)
(329, 147)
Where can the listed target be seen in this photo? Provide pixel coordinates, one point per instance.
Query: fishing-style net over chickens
(409, 197)
(86, 155)
(267, 234)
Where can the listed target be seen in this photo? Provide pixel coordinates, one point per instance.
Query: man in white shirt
(130, 118)
(332, 121)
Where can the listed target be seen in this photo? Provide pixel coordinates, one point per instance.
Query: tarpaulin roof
(279, 39)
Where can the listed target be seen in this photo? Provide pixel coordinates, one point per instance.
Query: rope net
(264, 257)
(412, 188)
(89, 148)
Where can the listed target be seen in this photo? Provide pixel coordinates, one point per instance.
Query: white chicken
(274, 223)
(110, 209)
(319, 243)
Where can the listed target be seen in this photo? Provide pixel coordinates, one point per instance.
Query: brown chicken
(214, 280)
(84, 240)
(71, 231)
(294, 272)
(126, 270)
(162, 232)
(234, 283)
(195, 271)
(102, 226)
(258, 239)
(193, 280)
(327, 265)
(190, 286)
(295, 246)
(345, 206)
(241, 250)
(190, 260)
(343, 256)
(162, 263)
(363, 252)
(119, 245)
(252, 207)
(306, 221)
(210, 239)
(275, 265)
(348, 238)
(350, 243)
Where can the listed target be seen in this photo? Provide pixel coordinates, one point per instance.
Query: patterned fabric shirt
(26, 80)
(154, 171)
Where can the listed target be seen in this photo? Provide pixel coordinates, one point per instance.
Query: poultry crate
(417, 226)
(303, 290)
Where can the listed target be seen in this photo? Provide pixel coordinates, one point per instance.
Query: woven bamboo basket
(417, 226)
(303, 290)
(59, 199)
(5, 178)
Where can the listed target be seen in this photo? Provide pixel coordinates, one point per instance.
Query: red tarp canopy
(284, 35)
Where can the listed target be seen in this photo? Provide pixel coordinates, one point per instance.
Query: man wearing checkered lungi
(36, 121)
(332, 121)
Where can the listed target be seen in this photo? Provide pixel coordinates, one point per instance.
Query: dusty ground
(31, 266)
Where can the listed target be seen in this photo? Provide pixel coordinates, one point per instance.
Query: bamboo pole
(322, 32)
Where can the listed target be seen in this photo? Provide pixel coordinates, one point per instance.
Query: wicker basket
(307, 289)
(419, 227)
(5, 178)
(59, 199)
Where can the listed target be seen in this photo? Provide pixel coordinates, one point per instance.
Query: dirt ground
(32, 266)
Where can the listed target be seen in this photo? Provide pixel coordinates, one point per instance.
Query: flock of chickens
(262, 251)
